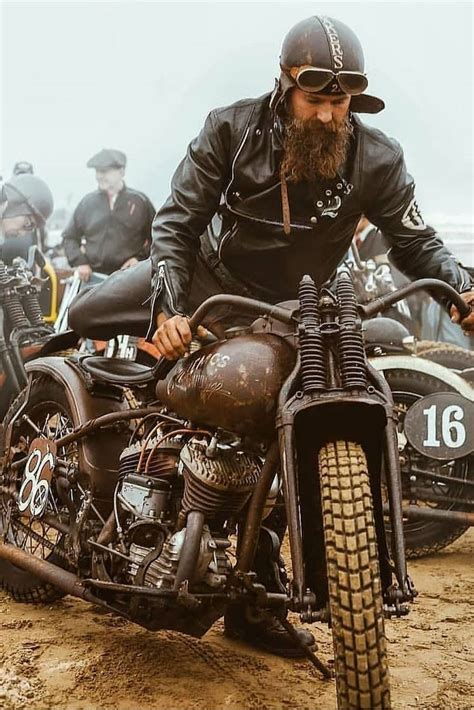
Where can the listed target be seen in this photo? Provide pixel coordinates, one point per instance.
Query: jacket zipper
(230, 232)
(234, 161)
(164, 280)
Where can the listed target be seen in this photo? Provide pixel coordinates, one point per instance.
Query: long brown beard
(314, 150)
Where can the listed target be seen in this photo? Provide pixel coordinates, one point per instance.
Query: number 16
(453, 432)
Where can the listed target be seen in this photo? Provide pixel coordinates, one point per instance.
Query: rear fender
(425, 367)
(99, 452)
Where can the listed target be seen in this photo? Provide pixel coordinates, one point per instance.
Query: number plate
(34, 491)
(441, 426)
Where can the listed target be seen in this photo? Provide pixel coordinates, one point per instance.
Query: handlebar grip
(463, 308)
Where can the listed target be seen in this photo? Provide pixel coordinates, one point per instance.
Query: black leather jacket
(226, 201)
(111, 236)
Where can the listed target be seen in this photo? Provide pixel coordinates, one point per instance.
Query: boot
(265, 631)
(266, 634)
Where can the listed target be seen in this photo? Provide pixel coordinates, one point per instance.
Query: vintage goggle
(314, 79)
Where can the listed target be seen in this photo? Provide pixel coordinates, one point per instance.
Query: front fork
(404, 590)
(396, 595)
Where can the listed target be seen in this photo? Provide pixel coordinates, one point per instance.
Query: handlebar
(251, 306)
(260, 308)
(378, 305)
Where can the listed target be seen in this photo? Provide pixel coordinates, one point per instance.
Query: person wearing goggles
(26, 203)
(271, 189)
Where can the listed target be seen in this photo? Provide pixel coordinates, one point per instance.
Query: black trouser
(121, 304)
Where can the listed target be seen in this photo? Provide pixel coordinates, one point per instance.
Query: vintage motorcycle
(438, 490)
(374, 278)
(24, 331)
(152, 505)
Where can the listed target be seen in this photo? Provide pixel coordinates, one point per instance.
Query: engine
(163, 477)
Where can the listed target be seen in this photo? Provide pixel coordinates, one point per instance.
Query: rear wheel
(456, 358)
(423, 537)
(424, 345)
(354, 584)
(47, 415)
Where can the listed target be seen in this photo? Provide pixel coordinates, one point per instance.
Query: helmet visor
(313, 79)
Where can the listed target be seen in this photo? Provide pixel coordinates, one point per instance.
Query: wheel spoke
(32, 425)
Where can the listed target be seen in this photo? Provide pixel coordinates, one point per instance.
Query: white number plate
(34, 490)
(441, 426)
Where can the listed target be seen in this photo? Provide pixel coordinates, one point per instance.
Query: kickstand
(327, 672)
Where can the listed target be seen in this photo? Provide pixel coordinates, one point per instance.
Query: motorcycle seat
(116, 370)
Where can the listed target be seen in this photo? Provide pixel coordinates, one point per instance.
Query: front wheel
(355, 589)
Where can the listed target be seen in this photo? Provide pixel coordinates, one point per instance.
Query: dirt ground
(71, 656)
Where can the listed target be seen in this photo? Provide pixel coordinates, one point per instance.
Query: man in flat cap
(111, 227)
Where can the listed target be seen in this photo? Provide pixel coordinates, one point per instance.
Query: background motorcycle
(136, 508)
(374, 278)
(438, 493)
(24, 332)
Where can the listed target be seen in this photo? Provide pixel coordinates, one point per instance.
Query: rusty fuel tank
(233, 384)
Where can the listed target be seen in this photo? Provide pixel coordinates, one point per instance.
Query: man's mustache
(314, 125)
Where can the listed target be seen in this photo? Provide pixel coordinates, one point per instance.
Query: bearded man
(272, 189)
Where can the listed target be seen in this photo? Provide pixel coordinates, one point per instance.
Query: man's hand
(84, 272)
(130, 262)
(467, 323)
(173, 337)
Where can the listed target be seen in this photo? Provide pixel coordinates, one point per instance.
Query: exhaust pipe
(190, 550)
(67, 582)
(413, 512)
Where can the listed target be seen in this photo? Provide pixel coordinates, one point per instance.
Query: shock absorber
(313, 370)
(351, 344)
(32, 306)
(11, 301)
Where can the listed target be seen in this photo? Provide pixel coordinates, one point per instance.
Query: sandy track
(73, 656)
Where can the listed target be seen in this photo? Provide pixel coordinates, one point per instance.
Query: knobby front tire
(355, 590)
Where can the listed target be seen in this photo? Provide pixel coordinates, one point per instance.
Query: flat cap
(107, 158)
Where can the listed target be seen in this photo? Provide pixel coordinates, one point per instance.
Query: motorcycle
(438, 490)
(153, 507)
(373, 278)
(24, 332)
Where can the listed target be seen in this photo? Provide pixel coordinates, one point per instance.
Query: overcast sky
(141, 77)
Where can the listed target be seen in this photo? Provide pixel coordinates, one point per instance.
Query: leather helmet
(27, 194)
(328, 44)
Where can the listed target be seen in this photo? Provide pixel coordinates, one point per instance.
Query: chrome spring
(351, 344)
(15, 313)
(32, 308)
(12, 303)
(313, 371)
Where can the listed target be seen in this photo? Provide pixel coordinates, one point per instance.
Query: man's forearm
(427, 257)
